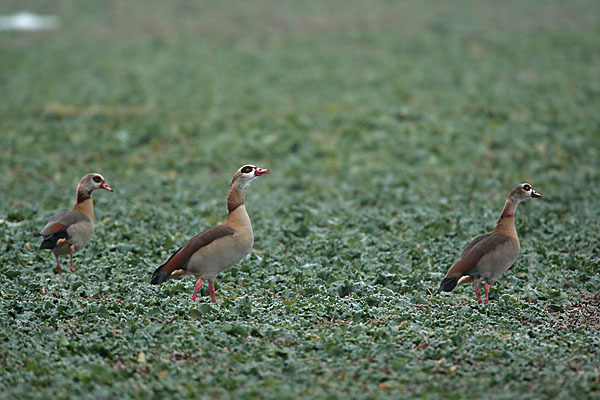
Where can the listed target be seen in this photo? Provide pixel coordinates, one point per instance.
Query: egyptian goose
(219, 247)
(69, 231)
(489, 256)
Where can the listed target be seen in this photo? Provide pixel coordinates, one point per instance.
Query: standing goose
(219, 247)
(489, 256)
(69, 231)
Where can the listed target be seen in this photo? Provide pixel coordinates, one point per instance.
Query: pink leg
(71, 248)
(478, 292)
(211, 290)
(58, 266)
(196, 288)
(486, 290)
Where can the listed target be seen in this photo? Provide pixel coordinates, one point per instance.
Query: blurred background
(470, 95)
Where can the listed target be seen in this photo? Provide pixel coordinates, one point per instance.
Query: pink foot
(211, 290)
(486, 290)
(478, 293)
(58, 266)
(71, 248)
(196, 288)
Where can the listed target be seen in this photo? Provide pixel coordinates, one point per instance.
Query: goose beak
(106, 187)
(260, 171)
(535, 195)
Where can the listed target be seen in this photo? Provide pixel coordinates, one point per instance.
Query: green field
(393, 131)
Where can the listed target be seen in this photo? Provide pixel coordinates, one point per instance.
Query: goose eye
(97, 179)
(247, 169)
(527, 188)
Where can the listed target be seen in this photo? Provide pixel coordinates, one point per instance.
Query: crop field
(393, 131)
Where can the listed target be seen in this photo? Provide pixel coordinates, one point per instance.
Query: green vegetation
(394, 131)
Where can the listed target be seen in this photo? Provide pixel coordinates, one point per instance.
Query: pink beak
(105, 186)
(260, 171)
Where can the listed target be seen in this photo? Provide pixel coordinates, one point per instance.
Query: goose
(69, 231)
(489, 256)
(219, 247)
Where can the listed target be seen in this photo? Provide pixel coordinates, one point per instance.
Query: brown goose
(69, 231)
(219, 247)
(489, 256)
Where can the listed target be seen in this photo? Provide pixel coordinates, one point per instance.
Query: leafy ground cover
(393, 132)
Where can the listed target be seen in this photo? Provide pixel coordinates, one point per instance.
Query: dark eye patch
(97, 179)
(526, 188)
(247, 169)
